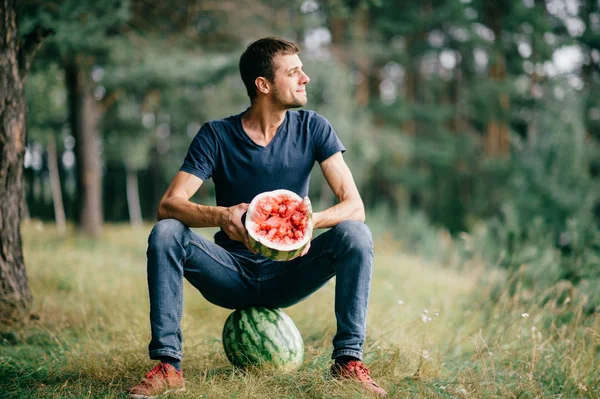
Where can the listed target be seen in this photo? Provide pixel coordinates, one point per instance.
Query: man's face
(289, 88)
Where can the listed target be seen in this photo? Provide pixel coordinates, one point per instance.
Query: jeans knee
(356, 235)
(165, 233)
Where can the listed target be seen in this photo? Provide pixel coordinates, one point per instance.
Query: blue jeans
(239, 279)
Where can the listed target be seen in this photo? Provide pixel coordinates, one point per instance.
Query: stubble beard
(294, 103)
(297, 103)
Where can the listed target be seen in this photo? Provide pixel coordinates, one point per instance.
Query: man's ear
(263, 85)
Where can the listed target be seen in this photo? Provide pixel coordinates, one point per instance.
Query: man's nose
(305, 78)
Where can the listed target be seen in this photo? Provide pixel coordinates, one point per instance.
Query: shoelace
(362, 372)
(150, 377)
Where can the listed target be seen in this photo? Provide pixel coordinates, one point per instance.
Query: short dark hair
(257, 60)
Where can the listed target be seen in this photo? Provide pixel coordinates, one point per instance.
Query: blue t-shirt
(241, 169)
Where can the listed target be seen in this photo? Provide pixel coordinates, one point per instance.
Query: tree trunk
(497, 141)
(409, 126)
(133, 198)
(15, 58)
(83, 115)
(413, 81)
(360, 31)
(57, 200)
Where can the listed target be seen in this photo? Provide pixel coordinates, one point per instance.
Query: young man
(267, 147)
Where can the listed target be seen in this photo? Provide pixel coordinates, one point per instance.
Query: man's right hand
(232, 225)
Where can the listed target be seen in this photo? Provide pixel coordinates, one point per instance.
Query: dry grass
(432, 332)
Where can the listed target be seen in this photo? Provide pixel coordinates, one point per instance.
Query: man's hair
(257, 60)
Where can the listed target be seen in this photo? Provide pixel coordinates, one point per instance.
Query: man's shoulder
(308, 115)
(221, 123)
(218, 129)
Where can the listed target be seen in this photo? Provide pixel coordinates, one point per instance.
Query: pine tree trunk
(83, 115)
(409, 126)
(133, 198)
(497, 141)
(15, 295)
(361, 28)
(57, 200)
(413, 80)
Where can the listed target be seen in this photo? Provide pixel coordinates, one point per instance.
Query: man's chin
(298, 103)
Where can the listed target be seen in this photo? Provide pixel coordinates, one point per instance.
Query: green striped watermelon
(279, 224)
(263, 338)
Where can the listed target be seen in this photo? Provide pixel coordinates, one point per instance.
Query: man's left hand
(306, 249)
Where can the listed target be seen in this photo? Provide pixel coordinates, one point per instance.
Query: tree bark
(413, 81)
(360, 31)
(84, 113)
(15, 58)
(497, 140)
(133, 198)
(57, 200)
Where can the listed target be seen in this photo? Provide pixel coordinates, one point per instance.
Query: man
(267, 147)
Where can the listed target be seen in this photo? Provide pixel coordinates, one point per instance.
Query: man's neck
(261, 121)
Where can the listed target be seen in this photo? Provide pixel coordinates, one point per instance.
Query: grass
(432, 331)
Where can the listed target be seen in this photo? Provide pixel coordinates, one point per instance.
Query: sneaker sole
(135, 396)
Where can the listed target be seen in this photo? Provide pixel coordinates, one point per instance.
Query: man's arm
(350, 206)
(176, 204)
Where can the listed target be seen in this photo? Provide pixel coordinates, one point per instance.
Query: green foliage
(548, 227)
(330, 94)
(79, 27)
(453, 68)
(46, 113)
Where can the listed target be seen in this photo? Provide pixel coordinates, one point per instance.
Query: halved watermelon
(279, 224)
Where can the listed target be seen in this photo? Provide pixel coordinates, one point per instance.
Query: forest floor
(432, 331)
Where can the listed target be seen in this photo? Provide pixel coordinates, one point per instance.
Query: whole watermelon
(279, 224)
(263, 338)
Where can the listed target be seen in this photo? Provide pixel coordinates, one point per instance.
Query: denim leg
(175, 251)
(345, 251)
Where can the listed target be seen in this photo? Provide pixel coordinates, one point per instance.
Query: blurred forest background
(473, 133)
(478, 120)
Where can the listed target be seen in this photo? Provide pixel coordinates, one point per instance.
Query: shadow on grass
(50, 380)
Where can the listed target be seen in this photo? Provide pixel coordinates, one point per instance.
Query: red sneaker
(357, 371)
(162, 379)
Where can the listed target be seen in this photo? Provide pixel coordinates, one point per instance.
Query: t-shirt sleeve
(325, 140)
(201, 157)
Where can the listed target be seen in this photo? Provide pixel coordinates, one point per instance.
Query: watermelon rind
(269, 249)
(262, 338)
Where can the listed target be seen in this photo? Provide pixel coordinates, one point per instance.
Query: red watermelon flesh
(281, 219)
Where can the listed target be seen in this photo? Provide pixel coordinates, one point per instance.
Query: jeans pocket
(223, 262)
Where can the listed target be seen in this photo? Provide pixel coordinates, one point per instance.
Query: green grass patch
(433, 331)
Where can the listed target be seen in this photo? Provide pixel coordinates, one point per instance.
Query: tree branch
(31, 44)
(109, 100)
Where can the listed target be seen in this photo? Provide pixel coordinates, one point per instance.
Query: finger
(251, 249)
(306, 249)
